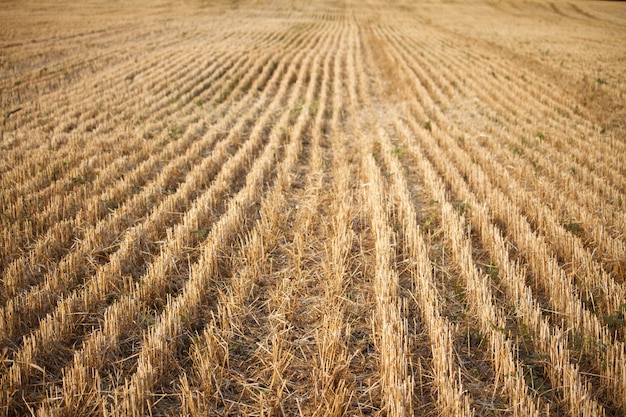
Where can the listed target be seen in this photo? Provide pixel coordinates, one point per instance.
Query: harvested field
(273, 207)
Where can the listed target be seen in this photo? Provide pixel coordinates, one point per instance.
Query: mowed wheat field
(312, 208)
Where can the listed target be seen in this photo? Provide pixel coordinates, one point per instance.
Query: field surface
(290, 207)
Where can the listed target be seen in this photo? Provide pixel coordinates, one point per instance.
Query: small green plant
(517, 150)
(493, 271)
(296, 110)
(55, 173)
(202, 233)
(617, 319)
(428, 126)
(239, 349)
(573, 227)
(461, 206)
(534, 164)
(175, 130)
(430, 220)
(534, 373)
(400, 152)
(81, 179)
(111, 205)
(313, 107)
